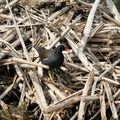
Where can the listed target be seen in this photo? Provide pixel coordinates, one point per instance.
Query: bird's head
(61, 48)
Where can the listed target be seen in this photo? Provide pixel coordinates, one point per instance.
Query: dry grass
(87, 85)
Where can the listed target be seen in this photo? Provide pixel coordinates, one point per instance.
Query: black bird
(53, 58)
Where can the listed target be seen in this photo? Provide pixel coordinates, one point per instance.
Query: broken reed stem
(107, 105)
(88, 26)
(53, 28)
(22, 61)
(103, 107)
(110, 100)
(102, 75)
(19, 33)
(81, 112)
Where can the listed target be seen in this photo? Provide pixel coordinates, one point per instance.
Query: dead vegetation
(86, 87)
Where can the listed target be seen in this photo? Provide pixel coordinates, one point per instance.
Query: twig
(65, 31)
(98, 112)
(19, 33)
(6, 7)
(110, 100)
(58, 93)
(102, 75)
(88, 26)
(110, 81)
(103, 107)
(66, 102)
(113, 8)
(74, 116)
(111, 19)
(58, 13)
(16, 81)
(81, 112)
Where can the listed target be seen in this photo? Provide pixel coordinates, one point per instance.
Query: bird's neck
(58, 52)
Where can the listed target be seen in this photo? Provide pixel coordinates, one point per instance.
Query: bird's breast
(54, 61)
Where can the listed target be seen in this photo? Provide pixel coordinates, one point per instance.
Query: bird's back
(54, 60)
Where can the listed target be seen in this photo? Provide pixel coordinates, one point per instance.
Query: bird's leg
(51, 75)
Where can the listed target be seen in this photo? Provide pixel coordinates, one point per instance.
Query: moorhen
(53, 58)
